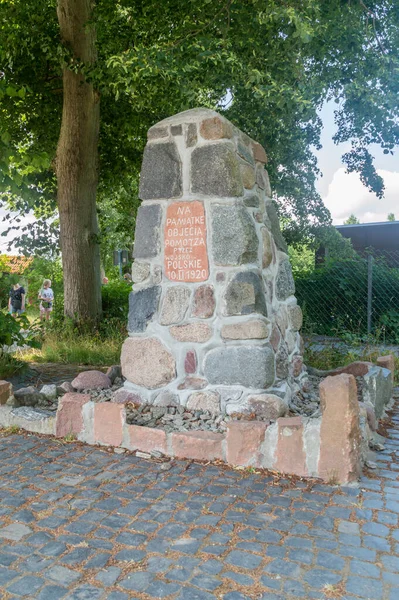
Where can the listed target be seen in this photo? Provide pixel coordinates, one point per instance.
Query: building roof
(15, 264)
(381, 236)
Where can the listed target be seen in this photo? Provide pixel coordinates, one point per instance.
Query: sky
(343, 193)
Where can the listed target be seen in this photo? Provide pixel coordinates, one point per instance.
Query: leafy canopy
(268, 66)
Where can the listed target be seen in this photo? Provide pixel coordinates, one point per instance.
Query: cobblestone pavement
(81, 523)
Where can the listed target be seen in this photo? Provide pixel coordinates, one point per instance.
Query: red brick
(290, 453)
(198, 445)
(69, 418)
(146, 439)
(387, 362)
(243, 442)
(108, 423)
(5, 391)
(340, 440)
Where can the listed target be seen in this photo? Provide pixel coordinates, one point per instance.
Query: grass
(76, 349)
(331, 358)
(10, 365)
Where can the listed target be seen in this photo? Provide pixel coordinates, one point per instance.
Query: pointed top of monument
(194, 115)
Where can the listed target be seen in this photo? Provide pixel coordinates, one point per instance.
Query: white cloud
(4, 225)
(347, 195)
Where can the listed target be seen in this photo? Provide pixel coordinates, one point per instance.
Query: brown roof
(16, 264)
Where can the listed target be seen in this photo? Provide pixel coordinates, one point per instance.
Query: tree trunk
(76, 168)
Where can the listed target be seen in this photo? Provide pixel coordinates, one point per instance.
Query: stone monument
(213, 320)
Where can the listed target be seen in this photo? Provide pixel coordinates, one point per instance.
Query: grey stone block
(240, 365)
(147, 233)
(161, 175)
(142, 307)
(215, 171)
(175, 305)
(275, 228)
(245, 295)
(234, 237)
(377, 388)
(285, 285)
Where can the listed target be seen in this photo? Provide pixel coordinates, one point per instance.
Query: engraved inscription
(186, 257)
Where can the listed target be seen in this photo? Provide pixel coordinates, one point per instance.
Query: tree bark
(77, 167)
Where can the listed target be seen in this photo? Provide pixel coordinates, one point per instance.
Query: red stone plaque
(186, 257)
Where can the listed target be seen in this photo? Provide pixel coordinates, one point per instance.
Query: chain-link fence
(359, 296)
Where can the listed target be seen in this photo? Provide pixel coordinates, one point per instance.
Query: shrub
(115, 297)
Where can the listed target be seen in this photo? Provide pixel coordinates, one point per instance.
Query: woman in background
(16, 301)
(46, 297)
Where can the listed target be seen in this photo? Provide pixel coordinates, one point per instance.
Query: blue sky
(343, 193)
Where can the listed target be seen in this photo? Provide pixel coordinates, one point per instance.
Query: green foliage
(334, 298)
(66, 342)
(267, 66)
(45, 268)
(351, 220)
(115, 297)
(332, 357)
(10, 329)
(390, 323)
(10, 365)
(391, 217)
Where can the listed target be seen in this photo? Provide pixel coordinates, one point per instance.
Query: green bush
(333, 298)
(115, 296)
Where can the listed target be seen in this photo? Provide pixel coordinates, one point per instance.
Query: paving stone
(348, 527)
(330, 561)
(376, 529)
(26, 585)
(318, 578)
(294, 588)
(365, 588)
(35, 563)
(239, 578)
(376, 543)
(7, 575)
(363, 554)
(137, 582)
(302, 556)
(52, 592)
(15, 531)
(235, 596)
(390, 563)
(130, 555)
(364, 569)
(118, 596)
(86, 592)
(62, 575)
(108, 576)
(161, 589)
(193, 594)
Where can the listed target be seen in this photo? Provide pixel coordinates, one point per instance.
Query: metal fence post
(369, 291)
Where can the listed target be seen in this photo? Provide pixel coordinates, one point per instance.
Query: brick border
(328, 447)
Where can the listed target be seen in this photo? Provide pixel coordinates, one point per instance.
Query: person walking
(16, 300)
(46, 297)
